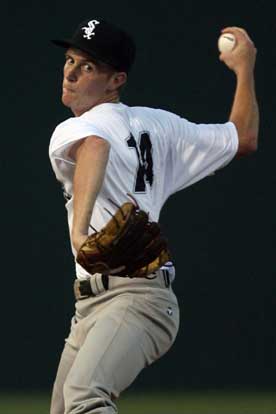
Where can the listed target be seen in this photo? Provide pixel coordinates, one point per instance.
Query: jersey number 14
(145, 164)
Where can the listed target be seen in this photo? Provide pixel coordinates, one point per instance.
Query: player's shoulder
(98, 114)
(104, 111)
(69, 126)
(107, 115)
(110, 112)
(150, 110)
(158, 116)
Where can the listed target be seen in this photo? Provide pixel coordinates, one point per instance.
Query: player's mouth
(67, 90)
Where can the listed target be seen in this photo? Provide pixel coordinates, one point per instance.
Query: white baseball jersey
(153, 154)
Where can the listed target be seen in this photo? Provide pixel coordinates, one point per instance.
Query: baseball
(226, 42)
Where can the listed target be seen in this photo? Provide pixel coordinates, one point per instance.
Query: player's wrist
(245, 69)
(78, 239)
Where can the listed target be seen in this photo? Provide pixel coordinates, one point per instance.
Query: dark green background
(221, 231)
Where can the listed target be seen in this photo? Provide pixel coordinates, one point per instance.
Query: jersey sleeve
(69, 132)
(196, 151)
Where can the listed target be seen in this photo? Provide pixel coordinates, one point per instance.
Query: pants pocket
(160, 317)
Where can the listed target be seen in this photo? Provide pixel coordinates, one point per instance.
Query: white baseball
(226, 42)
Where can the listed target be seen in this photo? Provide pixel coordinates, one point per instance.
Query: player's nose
(71, 74)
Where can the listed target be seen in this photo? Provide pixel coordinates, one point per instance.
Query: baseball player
(105, 151)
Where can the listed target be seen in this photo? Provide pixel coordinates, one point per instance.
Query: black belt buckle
(82, 289)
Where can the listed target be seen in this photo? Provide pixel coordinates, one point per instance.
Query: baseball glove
(130, 245)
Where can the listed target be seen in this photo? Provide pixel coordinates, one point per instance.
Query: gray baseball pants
(113, 337)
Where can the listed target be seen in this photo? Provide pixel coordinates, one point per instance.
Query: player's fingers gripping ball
(130, 245)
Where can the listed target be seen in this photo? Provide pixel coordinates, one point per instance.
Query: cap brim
(62, 43)
(67, 43)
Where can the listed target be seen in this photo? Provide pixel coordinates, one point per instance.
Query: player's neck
(113, 98)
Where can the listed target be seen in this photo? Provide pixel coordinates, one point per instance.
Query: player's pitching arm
(91, 160)
(245, 112)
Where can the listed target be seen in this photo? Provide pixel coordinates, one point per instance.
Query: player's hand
(78, 240)
(242, 58)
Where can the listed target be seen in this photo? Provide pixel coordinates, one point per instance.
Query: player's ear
(117, 80)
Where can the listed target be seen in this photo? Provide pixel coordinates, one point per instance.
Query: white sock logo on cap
(89, 31)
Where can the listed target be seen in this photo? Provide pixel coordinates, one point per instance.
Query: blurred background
(221, 230)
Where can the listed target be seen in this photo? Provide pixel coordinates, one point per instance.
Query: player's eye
(69, 60)
(88, 67)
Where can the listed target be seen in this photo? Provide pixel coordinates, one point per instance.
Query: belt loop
(97, 284)
(105, 280)
(166, 276)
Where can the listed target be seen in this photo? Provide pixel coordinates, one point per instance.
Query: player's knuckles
(244, 47)
(234, 29)
(238, 29)
(240, 34)
(248, 42)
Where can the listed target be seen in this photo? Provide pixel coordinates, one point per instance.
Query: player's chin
(66, 100)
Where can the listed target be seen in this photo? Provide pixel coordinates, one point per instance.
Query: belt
(92, 286)
(99, 283)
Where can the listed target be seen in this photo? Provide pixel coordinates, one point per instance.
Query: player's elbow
(248, 144)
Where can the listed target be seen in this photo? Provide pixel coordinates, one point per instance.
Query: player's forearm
(89, 174)
(245, 112)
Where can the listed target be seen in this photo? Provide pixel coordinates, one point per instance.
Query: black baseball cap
(104, 42)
